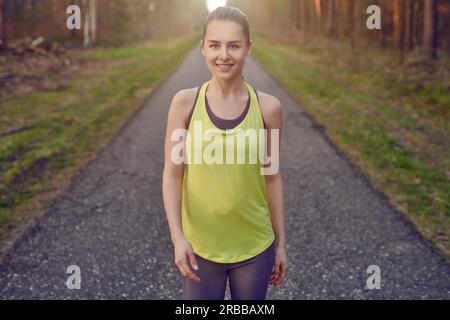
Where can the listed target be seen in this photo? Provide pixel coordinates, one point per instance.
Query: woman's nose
(224, 54)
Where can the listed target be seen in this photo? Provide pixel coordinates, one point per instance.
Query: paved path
(112, 223)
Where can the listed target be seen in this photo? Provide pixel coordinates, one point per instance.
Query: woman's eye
(232, 46)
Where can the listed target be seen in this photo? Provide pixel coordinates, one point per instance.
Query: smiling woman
(225, 213)
(213, 4)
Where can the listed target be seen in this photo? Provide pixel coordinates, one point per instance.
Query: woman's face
(225, 48)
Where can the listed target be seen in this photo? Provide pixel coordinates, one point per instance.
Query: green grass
(54, 132)
(392, 121)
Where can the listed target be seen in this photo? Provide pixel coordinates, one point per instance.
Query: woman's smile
(224, 67)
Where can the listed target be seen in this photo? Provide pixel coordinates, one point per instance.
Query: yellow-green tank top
(225, 213)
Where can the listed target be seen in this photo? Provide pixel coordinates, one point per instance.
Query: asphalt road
(111, 223)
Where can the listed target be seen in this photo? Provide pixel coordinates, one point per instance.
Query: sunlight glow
(213, 4)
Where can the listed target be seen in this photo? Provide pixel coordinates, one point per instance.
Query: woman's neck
(225, 89)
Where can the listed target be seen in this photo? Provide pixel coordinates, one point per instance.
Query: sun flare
(213, 4)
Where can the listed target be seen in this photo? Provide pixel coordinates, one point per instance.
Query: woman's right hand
(183, 254)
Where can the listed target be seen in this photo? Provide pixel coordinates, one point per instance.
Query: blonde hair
(228, 14)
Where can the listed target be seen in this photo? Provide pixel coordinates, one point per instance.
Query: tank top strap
(225, 123)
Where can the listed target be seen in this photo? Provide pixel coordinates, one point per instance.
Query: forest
(405, 24)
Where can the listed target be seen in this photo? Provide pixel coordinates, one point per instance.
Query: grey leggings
(249, 279)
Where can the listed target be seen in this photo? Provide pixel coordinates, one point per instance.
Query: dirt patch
(28, 71)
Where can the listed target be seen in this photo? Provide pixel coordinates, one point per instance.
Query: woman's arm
(171, 186)
(273, 116)
(274, 186)
(173, 173)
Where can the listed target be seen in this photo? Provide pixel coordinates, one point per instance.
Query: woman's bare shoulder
(184, 96)
(270, 106)
(184, 99)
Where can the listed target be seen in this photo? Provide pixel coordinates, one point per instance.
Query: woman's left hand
(281, 266)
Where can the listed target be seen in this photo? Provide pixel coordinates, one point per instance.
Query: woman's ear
(201, 46)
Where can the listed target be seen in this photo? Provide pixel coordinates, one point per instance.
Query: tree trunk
(303, 15)
(330, 17)
(429, 29)
(93, 24)
(4, 7)
(356, 23)
(90, 22)
(384, 30)
(318, 15)
(408, 25)
(339, 18)
(448, 30)
(87, 25)
(396, 25)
